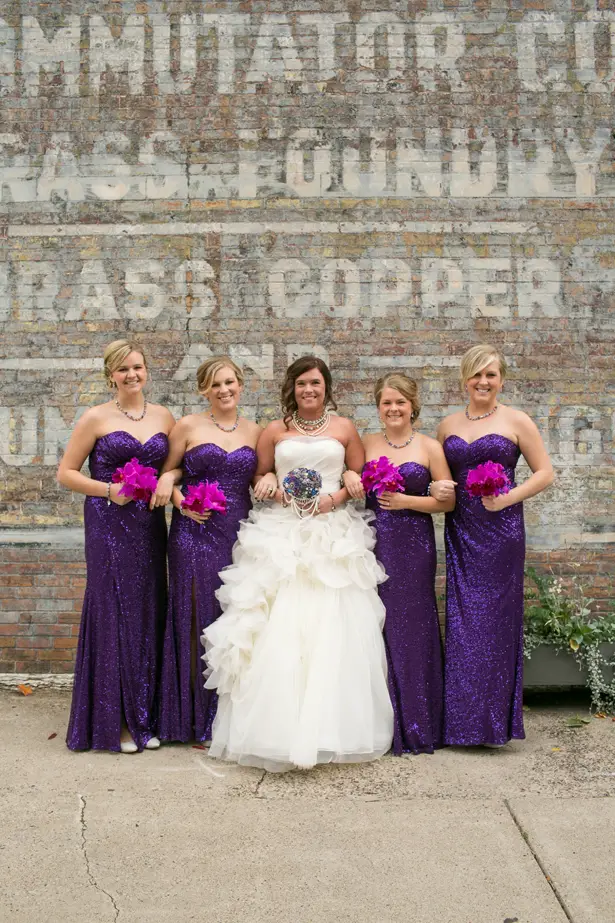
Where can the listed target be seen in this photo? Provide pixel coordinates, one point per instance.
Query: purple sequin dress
(197, 554)
(406, 548)
(485, 555)
(123, 608)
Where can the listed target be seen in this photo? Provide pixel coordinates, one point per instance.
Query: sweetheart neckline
(222, 449)
(455, 436)
(418, 465)
(136, 439)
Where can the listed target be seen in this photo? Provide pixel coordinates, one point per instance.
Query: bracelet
(109, 493)
(429, 489)
(333, 507)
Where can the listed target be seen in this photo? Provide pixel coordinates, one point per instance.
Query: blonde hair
(116, 353)
(208, 370)
(402, 383)
(477, 358)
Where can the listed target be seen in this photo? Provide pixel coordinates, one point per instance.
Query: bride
(297, 656)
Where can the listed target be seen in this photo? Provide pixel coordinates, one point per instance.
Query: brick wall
(383, 182)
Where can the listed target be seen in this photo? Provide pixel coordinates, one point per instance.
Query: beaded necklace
(481, 416)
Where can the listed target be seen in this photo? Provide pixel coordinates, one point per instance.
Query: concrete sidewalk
(523, 834)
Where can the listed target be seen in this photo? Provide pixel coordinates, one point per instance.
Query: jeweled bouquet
(381, 476)
(301, 488)
(204, 496)
(138, 481)
(487, 480)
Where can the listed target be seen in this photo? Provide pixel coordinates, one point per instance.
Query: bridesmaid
(485, 550)
(123, 613)
(406, 548)
(215, 445)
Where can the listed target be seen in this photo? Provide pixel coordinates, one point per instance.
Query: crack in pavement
(538, 861)
(258, 784)
(84, 850)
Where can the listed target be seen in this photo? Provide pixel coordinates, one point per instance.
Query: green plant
(559, 613)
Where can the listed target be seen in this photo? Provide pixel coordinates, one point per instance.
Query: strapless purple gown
(485, 552)
(197, 554)
(124, 606)
(406, 548)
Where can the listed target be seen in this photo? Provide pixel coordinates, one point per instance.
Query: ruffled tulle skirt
(297, 656)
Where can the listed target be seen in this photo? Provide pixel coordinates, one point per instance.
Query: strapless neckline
(485, 436)
(124, 432)
(214, 445)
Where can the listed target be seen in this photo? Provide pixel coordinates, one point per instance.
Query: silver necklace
(402, 446)
(482, 415)
(311, 427)
(129, 415)
(225, 429)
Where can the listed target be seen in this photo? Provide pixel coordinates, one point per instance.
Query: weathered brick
(403, 190)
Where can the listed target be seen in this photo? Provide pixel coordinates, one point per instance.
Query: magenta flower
(381, 475)
(487, 480)
(138, 481)
(205, 496)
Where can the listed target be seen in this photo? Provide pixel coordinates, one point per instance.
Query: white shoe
(128, 746)
(494, 746)
(152, 744)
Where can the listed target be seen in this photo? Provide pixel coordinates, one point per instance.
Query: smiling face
(310, 390)
(130, 375)
(225, 391)
(394, 409)
(484, 387)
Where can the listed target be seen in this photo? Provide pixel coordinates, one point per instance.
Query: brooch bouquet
(205, 496)
(487, 480)
(380, 476)
(138, 481)
(301, 488)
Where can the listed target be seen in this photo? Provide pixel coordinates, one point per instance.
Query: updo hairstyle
(116, 354)
(208, 370)
(405, 385)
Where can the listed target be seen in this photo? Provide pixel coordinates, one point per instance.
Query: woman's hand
(353, 484)
(266, 487)
(325, 504)
(444, 490)
(116, 497)
(196, 517)
(392, 501)
(164, 489)
(495, 504)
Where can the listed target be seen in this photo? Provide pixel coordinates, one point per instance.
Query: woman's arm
(533, 450)
(171, 473)
(265, 481)
(354, 459)
(79, 446)
(443, 489)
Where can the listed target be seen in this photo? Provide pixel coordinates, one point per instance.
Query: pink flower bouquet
(381, 475)
(487, 480)
(138, 481)
(205, 496)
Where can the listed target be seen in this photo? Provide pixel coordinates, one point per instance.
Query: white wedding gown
(297, 656)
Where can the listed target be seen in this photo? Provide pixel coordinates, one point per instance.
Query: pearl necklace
(129, 415)
(311, 427)
(402, 446)
(482, 415)
(225, 429)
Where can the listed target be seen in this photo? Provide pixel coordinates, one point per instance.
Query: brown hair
(116, 353)
(476, 358)
(405, 385)
(297, 368)
(208, 370)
